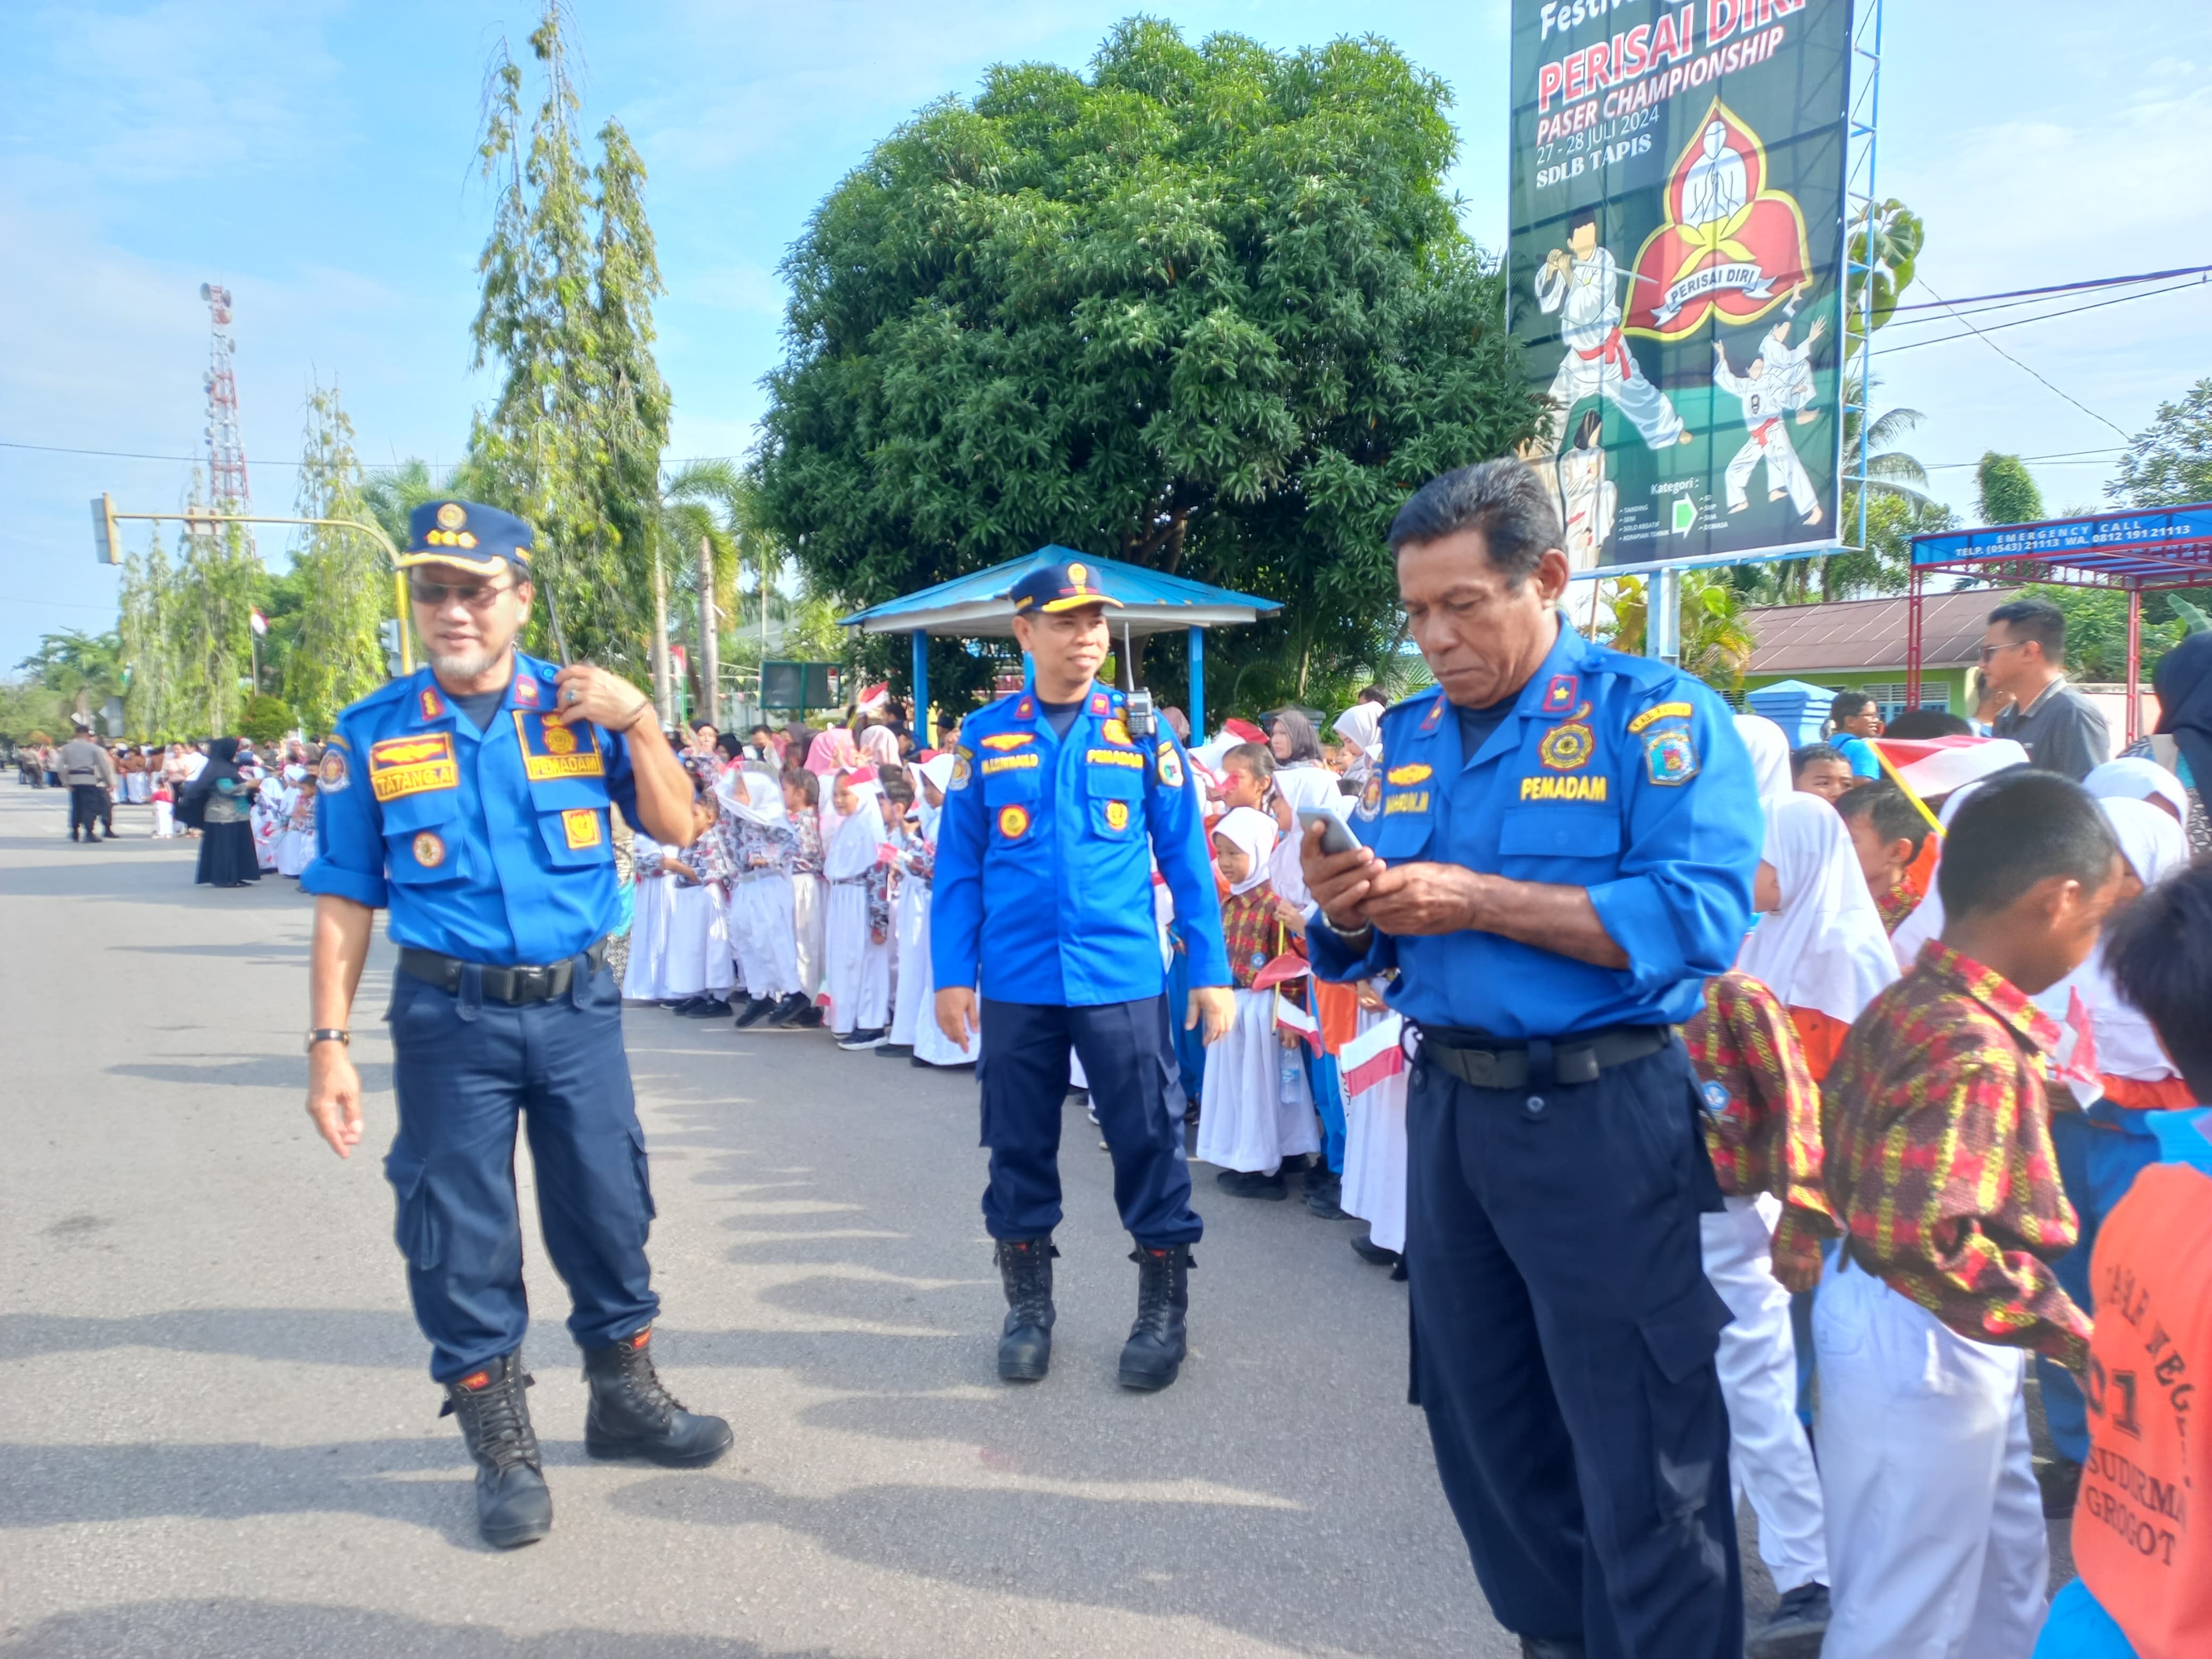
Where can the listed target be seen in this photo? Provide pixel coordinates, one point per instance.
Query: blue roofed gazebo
(1152, 602)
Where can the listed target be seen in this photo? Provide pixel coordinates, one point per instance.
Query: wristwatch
(328, 1034)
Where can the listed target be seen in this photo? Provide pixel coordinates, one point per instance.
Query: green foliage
(212, 635)
(2006, 490)
(154, 699)
(29, 710)
(573, 441)
(1207, 310)
(2097, 629)
(2170, 462)
(82, 671)
(1716, 643)
(340, 577)
(1896, 237)
(266, 719)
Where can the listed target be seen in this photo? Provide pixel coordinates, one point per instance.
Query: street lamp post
(108, 548)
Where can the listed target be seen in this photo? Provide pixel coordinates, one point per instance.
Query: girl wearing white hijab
(2098, 1122)
(645, 976)
(1821, 949)
(1361, 726)
(858, 932)
(1821, 946)
(914, 1023)
(1255, 1109)
(763, 930)
(2133, 778)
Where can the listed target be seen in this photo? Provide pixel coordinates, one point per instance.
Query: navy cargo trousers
(1564, 1336)
(1129, 1059)
(466, 1071)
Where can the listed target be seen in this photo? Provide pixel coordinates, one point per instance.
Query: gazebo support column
(1197, 710)
(921, 734)
(2135, 662)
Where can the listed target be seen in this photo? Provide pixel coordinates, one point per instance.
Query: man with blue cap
(471, 799)
(1043, 933)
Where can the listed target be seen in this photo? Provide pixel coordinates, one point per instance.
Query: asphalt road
(218, 1435)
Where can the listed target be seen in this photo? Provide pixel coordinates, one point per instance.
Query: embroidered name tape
(1115, 757)
(1663, 711)
(1414, 801)
(409, 766)
(552, 751)
(1009, 763)
(1589, 787)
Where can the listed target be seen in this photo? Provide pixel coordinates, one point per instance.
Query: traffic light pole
(108, 548)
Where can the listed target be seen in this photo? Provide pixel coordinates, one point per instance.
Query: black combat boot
(1025, 1269)
(633, 1416)
(513, 1505)
(1153, 1353)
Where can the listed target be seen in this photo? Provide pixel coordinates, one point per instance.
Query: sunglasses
(1989, 651)
(478, 596)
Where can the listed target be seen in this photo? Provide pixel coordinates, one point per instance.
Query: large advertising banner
(1676, 269)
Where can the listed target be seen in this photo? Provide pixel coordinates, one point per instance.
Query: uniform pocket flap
(1401, 838)
(562, 794)
(1113, 780)
(1684, 1333)
(430, 809)
(421, 857)
(1563, 829)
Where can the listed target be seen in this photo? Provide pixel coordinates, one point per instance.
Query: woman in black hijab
(217, 805)
(2183, 680)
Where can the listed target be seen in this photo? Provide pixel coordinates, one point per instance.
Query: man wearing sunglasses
(471, 799)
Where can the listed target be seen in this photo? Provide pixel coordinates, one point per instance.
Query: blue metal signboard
(2114, 535)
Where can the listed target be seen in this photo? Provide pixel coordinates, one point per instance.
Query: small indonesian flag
(259, 623)
(2078, 1071)
(1936, 766)
(1374, 1056)
(1282, 970)
(873, 697)
(1288, 1017)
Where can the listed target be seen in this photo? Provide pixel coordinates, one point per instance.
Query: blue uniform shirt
(1044, 859)
(492, 847)
(1613, 773)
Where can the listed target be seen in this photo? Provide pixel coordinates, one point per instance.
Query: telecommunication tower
(227, 480)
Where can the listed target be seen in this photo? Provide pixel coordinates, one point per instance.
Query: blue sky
(316, 157)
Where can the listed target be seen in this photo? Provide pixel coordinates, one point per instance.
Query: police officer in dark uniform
(472, 800)
(1056, 809)
(1558, 846)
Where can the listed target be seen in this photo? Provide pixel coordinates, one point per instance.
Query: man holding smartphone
(1557, 848)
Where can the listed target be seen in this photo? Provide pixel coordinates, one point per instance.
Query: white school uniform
(1937, 1542)
(859, 967)
(1375, 1154)
(296, 844)
(1768, 1456)
(698, 956)
(762, 932)
(646, 978)
(914, 1020)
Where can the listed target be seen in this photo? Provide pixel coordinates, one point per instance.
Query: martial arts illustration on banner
(1676, 270)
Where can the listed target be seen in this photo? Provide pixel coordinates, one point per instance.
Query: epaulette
(390, 691)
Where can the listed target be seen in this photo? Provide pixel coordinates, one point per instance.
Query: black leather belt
(507, 985)
(1489, 1062)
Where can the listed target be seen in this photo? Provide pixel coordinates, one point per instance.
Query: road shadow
(318, 1336)
(284, 1630)
(286, 1071)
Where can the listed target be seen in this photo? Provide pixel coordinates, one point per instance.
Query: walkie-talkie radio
(1137, 715)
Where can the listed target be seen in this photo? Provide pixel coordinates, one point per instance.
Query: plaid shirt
(1249, 929)
(1938, 1163)
(1762, 1110)
(1897, 903)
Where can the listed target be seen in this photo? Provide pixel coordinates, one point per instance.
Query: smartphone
(1336, 834)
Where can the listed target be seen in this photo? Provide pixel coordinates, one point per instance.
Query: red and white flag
(1373, 1056)
(1936, 766)
(1288, 1017)
(1282, 970)
(259, 623)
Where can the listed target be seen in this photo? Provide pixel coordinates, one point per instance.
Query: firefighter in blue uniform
(1058, 807)
(471, 799)
(1559, 845)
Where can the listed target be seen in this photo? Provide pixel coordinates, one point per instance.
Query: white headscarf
(752, 795)
(1824, 949)
(880, 744)
(1361, 726)
(860, 834)
(938, 769)
(1769, 754)
(2155, 847)
(2133, 778)
(1252, 833)
(1307, 787)
(1926, 922)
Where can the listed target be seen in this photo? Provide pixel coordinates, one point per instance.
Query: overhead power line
(2057, 288)
(1889, 350)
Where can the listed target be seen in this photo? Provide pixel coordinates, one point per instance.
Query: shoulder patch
(331, 773)
(1170, 765)
(1670, 756)
(964, 760)
(1371, 798)
(1659, 712)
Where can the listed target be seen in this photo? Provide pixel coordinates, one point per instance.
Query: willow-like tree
(210, 631)
(154, 699)
(1207, 309)
(572, 443)
(345, 582)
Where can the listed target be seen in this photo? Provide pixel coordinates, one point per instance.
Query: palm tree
(1715, 644)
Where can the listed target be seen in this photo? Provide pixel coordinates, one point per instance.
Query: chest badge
(430, 850)
(409, 766)
(550, 749)
(1567, 748)
(1115, 731)
(1559, 694)
(1013, 821)
(1005, 740)
(1417, 772)
(1670, 757)
(580, 825)
(1117, 815)
(560, 740)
